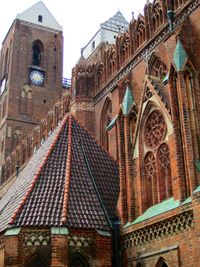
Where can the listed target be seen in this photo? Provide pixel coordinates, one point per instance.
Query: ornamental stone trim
(36, 238)
(82, 106)
(187, 10)
(160, 230)
(36, 26)
(79, 241)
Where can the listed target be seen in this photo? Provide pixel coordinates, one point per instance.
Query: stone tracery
(155, 129)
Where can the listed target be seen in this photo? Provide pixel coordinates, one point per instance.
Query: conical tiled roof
(180, 56)
(56, 189)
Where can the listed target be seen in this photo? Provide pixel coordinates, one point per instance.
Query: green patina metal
(112, 123)
(197, 165)
(13, 231)
(160, 208)
(59, 231)
(103, 233)
(180, 56)
(128, 101)
(166, 79)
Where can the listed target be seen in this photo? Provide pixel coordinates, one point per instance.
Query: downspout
(114, 225)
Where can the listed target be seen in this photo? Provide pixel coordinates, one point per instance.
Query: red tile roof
(55, 188)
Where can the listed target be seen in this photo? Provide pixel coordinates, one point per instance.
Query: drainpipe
(170, 15)
(17, 169)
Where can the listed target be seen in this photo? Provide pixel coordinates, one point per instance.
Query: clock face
(37, 77)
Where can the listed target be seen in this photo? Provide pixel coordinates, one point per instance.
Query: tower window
(93, 45)
(40, 18)
(37, 49)
(36, 55)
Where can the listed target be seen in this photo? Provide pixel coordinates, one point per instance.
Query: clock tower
(30, 74)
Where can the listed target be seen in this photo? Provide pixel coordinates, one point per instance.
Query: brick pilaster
(11, 256)
(122, 174)
(176, 149)
(186, 133)
(129, 169)
(59, 250)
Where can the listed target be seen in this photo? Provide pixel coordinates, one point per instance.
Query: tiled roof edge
(31, 186)
(68, 172)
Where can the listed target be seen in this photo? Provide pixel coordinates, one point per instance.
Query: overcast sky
(80, 20)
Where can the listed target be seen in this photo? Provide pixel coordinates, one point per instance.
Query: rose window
(155, 129)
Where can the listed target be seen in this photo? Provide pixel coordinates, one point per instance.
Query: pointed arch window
(161, 263)
(164, 169)
(36, 261)
(78, 261)
(106, 118)
(37, 50)
(150, 178)
(157, 180)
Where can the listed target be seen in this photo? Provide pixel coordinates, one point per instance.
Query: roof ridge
(68, 172)
(37, 174)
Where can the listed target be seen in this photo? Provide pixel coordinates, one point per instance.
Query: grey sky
(80, 20)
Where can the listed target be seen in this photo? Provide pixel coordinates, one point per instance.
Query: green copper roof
(59, 231)
(112, 123)
(197, 165)
(128, 101)
(13, 231)
(180, 56)
(166, 79)
(158, 209)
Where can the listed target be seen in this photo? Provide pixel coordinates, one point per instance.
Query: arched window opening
(36, 261)
(157, 67)
(40, 18)
(161, 263)
(157, 181)
(106, 118)
(165, 180)
(78, 261)
(37, 50)
(150, 178)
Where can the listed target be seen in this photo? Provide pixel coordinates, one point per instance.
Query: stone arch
(36, 260)
(78, 260)
(156, 66)
(105, 119)
(161, 263)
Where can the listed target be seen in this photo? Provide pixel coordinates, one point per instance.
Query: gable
(39, 9)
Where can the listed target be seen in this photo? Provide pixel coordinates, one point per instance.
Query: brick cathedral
(105, 173)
